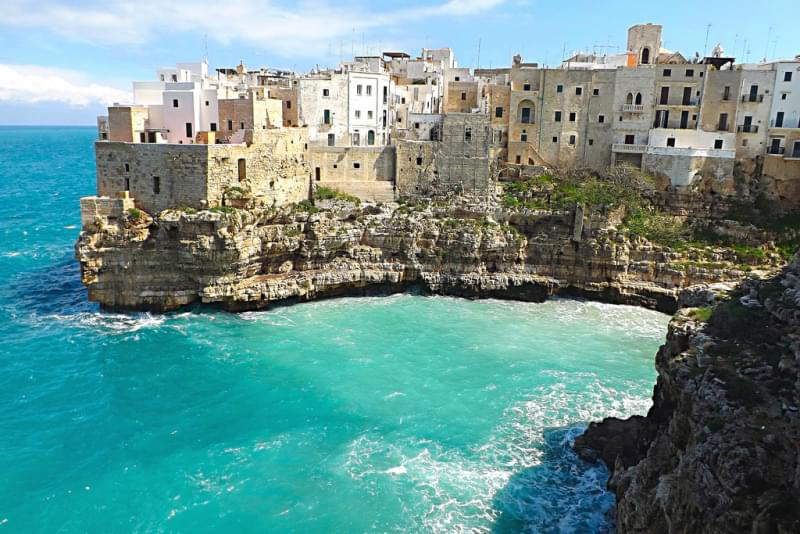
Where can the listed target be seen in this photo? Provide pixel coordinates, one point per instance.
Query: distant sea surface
(397, 414)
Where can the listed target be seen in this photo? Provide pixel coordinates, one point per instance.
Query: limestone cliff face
(246, 259)
(719, 451)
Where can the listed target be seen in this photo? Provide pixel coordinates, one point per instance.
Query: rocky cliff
(719, 451)
(247, 258)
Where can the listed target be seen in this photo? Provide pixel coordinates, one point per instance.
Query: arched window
(371, 137)
(638, 99)
(527, 112)
(645, 56)
(629, 99)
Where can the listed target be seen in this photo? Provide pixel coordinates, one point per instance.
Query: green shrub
(134, 214)
(701, 314)
(306, 206)
(327, 193)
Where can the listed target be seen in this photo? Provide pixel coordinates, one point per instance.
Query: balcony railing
(723, 128)
(690, 102)
(777, 150)
(633, 108)
(747, 128)
(632, 149)
(752, 98)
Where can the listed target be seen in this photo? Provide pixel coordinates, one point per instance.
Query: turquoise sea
(396, 414)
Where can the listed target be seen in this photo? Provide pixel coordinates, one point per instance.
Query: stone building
(251, 113)
(366, 172)
(270, 166)
(459, 161)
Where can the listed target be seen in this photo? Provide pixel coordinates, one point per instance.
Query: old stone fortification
(247, 259)
(719, 451)
(366, 172)
(270, 164)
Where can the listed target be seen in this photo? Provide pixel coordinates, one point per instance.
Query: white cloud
(33, 84)
(296, 29)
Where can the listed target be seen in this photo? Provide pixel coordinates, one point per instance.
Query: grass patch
(134, 214)
(327, 193)
(701, 314)
(305, 206)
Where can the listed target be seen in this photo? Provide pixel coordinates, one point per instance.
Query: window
(601, 119)
(555, 139)
(356, 138)
(524, 136)
(326, 116)
(326, 92)
(331, 139)
(213, 126)
(559, 88)
(787, 76)
(127, 167)
(242, 169)
(356, 165)
(591, 142)
(779, 120)
(784, 95)
(596, 92)
(723, 122)
(288, 104)
(156, 185)
(664, 96)
(638, 99)
(359, 88)
(241, 126)
(188, 129)
(174, 102)
(174, 77)
(317, 174)
(416, 125)
(369, 114)
(127, 184)
(371, 137)
(498, 112)
(689, 73)
(526, 87)
(162, 77)
(385, 95)
(557, 116)
(718, 144)
(358, 113)
(141, 137)
(463, 96)
(572, 116)
(467, 134)
(671, 141)
(726, 94)
(518, 160)
(419, 161)
(667, 72)
(458, 78)
(369, 90)
(526, 116)
(579, 91)
(645, 56)
(630, 139)
(744, 142)
(230, 124)
(701, 73)
(206, 103)
(572, 139)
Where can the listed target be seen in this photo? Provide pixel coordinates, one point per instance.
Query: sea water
(390, 414)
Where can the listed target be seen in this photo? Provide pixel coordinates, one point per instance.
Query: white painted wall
(790, 103)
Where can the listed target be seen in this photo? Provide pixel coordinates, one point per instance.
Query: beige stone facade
(461, 97)
(271, 166)
(248, 114)
(127, 124)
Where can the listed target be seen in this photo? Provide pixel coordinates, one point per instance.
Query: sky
(62, 62)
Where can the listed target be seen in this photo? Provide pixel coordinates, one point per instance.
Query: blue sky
(61, 62)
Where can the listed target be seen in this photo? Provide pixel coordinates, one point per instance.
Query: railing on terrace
(776, 150)
(633, 108)
(747, 128)
(632, 149)
(752, 98)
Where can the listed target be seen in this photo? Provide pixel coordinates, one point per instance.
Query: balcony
(629, 149)
(692, 102)
(776, 150)
(632, 108)
(747, 128)
(752, 98)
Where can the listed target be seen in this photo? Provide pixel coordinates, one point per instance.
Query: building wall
(684, 167)
(288, 97)
(249, 114)
(313, 103)
(461, 97)
(676, 78)
(643, 36)
(369, 111)
(197, 175)
(344, 164)
(750, 145)
(790, 105)
(635, 121)
(126, 123)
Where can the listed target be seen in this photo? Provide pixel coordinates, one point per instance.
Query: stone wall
(461, 97)
(126, 123)
(105, 208)
(161, 176)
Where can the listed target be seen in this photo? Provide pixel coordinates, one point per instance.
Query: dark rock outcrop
(719, 451)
